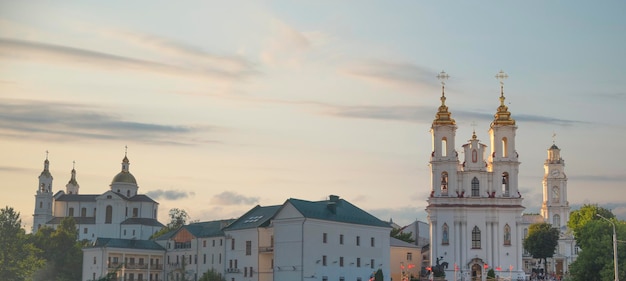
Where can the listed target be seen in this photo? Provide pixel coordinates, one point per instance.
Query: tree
(178, 218)
(379, 275)
(595, 260)
(18, 257)
(541, 241)
(579, 218)
(61, 251)
(212, 275)
(398, 234)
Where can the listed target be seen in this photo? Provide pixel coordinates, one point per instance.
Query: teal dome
(124, 177)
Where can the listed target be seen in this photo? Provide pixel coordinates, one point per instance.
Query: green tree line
(49, 254)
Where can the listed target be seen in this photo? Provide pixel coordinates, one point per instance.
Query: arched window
(444, 147)
(109, 214)
(507, 234)
(555, 193)
(505, 147)
(475, 187)
(445, 240)
(556, 221)
(127, 193)
(40, 204)
(505, 184)
(476, 238)
(444, 183)
(83, 212)
(474, 156)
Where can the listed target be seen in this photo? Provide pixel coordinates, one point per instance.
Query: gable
(183, 236)
(288, 211)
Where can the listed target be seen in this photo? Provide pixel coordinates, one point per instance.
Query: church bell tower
(43, 198)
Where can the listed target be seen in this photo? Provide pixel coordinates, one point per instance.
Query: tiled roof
(336, 209)
(143, 221)
(257, 217)
(78, 220)
(209, 228)
(78, 197)
(126, 244)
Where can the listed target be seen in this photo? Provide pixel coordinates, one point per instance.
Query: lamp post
(614, 246)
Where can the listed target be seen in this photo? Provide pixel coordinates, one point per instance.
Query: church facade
(120, 212)
(475, 208)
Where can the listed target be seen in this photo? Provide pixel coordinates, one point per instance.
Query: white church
(475, 208)
(117, 213)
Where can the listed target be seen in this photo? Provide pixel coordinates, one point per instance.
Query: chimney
(332, 203)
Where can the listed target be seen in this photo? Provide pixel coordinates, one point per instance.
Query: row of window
(476, 240)
(475, 191)
(341, 240)
(131, 261)
(204, 243)
(195, 259)
(340, 262)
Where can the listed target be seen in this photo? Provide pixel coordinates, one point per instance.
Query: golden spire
(502, 116)
(443, 116)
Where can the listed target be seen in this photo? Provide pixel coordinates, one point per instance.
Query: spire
(125, 162)
(474, 137)
(46, 167)
(73, 178)
(502, 116)
(443, 116)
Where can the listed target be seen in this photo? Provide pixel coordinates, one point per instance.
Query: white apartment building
(127, 259)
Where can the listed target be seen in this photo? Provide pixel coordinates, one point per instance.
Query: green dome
(124, 177)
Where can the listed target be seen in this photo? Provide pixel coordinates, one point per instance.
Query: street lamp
(614, 246)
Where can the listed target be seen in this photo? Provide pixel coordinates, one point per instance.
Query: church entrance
(477, 272)
(559, 267)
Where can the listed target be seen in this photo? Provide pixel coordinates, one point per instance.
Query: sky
(225, 105)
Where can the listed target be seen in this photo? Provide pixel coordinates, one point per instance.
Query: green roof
(125, 177)
(257, 217)
(126, 244)
(208, 229)
(336, 209)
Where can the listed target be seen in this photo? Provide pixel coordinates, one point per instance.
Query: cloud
(66, 121)
(169, 194)
(50, 53)
(391, 73)
(190, 54)
(231, 198)
(426, 114)
(599, 178)
(286, 46)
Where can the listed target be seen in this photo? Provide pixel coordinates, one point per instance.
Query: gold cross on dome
(443, 76)
(502, 76)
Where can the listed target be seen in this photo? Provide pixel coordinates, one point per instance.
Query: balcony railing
(233, 270)
(266, 249)
(137, 266)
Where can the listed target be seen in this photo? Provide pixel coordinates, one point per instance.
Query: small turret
(72, 186)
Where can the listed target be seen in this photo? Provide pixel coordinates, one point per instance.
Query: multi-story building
(475, 207)
(194, 249)
(127, 259)
(328, 240)
(405, 260)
